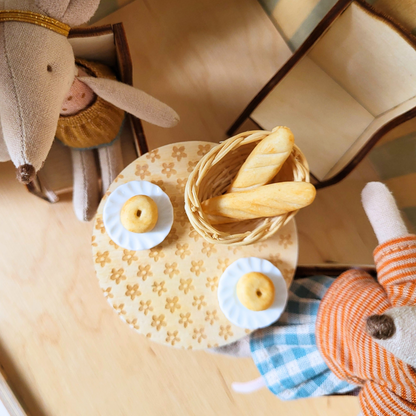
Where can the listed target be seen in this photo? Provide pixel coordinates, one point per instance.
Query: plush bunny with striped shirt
(362, 332)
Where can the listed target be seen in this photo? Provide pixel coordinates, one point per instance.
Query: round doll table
(169, 293)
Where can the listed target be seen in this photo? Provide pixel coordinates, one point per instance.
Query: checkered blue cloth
(286, 353)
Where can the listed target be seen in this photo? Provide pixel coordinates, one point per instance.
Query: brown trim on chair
(320, 29)
(123, 54)
(140, 136)
(88, 32)
(408, 115)
(331, 270)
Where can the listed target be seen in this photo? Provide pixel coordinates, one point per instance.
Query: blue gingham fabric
(286, 353)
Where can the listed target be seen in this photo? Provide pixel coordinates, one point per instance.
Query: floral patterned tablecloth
(169, 293)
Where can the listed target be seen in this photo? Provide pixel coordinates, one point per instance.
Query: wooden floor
(63, 348)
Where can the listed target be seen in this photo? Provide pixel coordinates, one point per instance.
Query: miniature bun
(139, 214)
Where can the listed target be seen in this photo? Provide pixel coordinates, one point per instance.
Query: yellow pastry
(265, 201)
(139, 214)
(265, 161)
(255, 291)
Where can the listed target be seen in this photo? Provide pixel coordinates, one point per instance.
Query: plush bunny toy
(42, 87)
(335, 336)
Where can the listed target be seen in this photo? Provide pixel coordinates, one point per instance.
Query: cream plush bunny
(42, 87)
(352, 332)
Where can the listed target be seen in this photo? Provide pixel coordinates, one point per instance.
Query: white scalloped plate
(231, 306)
(137, 241)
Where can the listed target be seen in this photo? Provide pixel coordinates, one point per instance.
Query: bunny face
(37, 68)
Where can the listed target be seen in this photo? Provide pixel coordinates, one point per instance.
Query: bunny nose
(25, 173)
(380, 326)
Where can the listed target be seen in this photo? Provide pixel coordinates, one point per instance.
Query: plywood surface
(207, 59)
(63, 348)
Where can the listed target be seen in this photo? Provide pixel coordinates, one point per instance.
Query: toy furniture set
(194, 243)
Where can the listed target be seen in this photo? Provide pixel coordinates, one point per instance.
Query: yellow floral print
(107, 293)
(182, 250)
(156, 253)
(203, 149)
(172, 337)
(199, 302)
(144, 272)
(199, 334)
(145, 307)
(225, 331)
(211, 316)
(102, 258)
(168, 169)
(158, 321)
(186, 285)
(133, 323)
(160, 184)
(191, 165)
(171, 269)
(120, 309)
(223, 264)
(208, 249)
(117, 275)
(172, 304)
(142, 171)
(99, 225)
(193, 234)
(185, 319)
(178, 153)
(159, 288)
(133, 291)
(181, 183)
(153, 155)
(212, 283)
(129, 256)
(285, 240)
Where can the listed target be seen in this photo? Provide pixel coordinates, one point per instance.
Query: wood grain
(63, 348)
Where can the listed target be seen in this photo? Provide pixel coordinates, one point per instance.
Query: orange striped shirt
(389, 384)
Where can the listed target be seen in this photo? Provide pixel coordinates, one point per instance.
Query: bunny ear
(71, 12)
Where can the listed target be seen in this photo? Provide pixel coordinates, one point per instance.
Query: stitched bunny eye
(49, 68)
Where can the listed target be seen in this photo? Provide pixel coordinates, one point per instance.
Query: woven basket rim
(265, 227)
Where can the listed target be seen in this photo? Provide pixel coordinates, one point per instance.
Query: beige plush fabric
(30, 95)
(4, 154)
(111, 163)
(86, 194)
(133, 101)
(71, 12)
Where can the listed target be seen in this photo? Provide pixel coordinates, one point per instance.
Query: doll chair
(348, 84)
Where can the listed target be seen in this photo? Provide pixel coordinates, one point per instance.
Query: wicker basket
(214, 173)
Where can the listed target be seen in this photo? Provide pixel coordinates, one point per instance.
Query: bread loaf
(266, 201)
(265, 161)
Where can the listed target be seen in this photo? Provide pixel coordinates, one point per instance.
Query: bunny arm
(133, 101)
(382, 211)
(85, 194)
(395, 257)
(376, 399)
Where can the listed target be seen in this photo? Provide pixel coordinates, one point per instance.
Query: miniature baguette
(265, 161)
(266, 201)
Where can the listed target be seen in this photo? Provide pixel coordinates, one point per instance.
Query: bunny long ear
(133, 101)
(71, 12)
